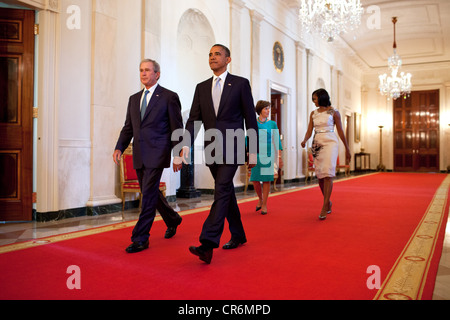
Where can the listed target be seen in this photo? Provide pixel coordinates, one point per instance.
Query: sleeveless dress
(264, 169)
(325, 146)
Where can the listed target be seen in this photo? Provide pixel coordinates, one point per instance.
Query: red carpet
(290, 254)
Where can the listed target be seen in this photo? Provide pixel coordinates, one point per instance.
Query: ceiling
(423, 31)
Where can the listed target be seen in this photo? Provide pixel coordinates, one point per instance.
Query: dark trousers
(152, 200)
(224, 206)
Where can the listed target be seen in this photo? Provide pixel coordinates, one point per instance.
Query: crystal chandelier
(394, 86)
(329, 18)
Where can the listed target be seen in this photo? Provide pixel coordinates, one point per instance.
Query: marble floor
(20, 232)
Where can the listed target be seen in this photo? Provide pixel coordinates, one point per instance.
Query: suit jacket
(152, 136)
(236, 108)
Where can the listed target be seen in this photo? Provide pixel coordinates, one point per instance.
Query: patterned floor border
(407, 278)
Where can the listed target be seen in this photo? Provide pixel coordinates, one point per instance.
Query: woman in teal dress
(269, 156)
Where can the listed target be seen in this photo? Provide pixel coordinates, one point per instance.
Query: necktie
(217, 92)
(144, 104)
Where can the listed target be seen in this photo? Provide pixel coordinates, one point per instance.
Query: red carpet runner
(290, 254)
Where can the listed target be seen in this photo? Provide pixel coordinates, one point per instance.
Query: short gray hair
(156, 66)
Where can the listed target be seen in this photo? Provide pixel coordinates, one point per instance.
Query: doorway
(416, 132)
(275, 115)
(16, 113)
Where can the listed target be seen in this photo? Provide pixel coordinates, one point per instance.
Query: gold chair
(248, 173)
(346, 168)
(310, 169)
(128, 178)
(275, 176)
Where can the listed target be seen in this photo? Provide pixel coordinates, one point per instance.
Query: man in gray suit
(152, 115)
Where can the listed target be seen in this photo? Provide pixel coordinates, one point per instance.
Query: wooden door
(16, 114)
(416, 132)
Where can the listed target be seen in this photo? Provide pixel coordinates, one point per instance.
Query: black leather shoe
(171, 231)
(137, 247)
(233, 244)
(204, 255)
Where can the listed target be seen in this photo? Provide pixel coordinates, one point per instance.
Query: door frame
(285, 92)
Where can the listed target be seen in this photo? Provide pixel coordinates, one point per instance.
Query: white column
(301, 106)
(256, 51)
(47, 132)
(236, 7)
(103, 102)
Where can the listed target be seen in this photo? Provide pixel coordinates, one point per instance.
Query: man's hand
(178, 161)
(117, 155)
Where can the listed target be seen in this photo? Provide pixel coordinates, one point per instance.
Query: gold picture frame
(278, 57)
(357, 125)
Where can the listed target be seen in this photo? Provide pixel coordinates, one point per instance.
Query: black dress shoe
(203, 254)
(171, 231)
(233, 244)
(137, 247)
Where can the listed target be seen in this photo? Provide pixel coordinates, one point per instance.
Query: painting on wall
(278, 57)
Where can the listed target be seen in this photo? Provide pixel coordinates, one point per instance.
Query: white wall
(97, 71)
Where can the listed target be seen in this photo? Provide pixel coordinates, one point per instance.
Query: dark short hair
(323, 98)
(227, 51)
(260, 105)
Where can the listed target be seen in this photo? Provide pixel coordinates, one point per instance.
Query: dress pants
(224, 206)
(152, 200)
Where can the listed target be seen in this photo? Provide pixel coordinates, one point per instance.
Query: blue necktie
(144, 104)
(217, 92)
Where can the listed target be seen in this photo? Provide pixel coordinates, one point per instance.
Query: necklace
(263, 121)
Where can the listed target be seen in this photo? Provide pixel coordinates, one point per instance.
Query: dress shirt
(149, 95)
(222, 77)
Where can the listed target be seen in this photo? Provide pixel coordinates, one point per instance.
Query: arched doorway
(195, 38)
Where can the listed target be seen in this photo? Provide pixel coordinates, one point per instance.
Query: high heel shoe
(257, 208)
(323, 215)
(329, 208)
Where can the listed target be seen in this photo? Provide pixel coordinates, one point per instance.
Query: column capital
(237, 4)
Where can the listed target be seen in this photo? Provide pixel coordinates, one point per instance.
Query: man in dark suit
(223, 104)
(152, 115)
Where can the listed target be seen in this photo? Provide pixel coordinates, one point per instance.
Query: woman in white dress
(325, 146)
